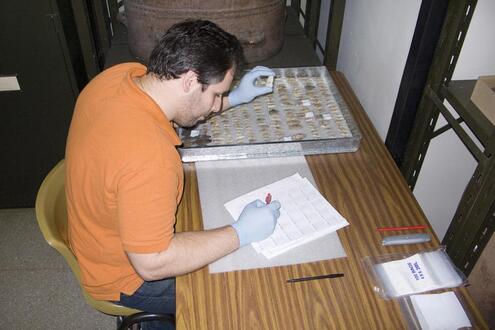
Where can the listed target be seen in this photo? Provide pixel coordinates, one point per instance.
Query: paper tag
(9, 83)
(306, 103)
(269, 81)
(327, 116)
(309, 114)
(194, 133)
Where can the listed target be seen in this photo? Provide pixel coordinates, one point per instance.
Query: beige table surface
(367, 188)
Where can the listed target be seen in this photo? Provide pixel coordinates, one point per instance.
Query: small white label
(287, 138)
(9, 83)
(327, 116)
(306, 103)
(269, 81)
(309, 114)
(194, 133)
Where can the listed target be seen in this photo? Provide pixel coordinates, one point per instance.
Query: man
(124, 176)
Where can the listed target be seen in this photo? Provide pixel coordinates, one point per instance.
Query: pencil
(402, 228)
(318, 277)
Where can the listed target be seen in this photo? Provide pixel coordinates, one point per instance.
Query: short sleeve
(146, 206)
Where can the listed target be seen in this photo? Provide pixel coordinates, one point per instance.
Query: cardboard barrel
(258, 24)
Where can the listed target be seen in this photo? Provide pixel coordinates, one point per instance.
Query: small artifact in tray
(305, 106)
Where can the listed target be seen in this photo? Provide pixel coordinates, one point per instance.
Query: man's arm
(192, 250)
(187, 252)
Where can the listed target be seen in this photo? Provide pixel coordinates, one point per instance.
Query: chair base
(125, 322)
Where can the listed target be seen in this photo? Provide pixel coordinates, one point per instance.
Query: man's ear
(189, 81)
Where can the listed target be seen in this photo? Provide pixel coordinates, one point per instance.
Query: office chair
(51, 213)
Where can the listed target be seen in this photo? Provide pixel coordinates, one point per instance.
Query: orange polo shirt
(124, 180)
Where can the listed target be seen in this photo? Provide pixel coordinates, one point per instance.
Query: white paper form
(439, 311)
(305, 214)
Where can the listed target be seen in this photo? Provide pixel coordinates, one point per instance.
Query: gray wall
(374, 45)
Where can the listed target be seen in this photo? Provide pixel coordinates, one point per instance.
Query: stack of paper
(439, 311)
(305, 214)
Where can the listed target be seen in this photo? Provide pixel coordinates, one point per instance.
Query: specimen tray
(305, 114)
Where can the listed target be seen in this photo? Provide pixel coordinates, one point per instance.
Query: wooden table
(367, 188)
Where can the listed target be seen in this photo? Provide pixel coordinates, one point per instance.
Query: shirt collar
(145, 102)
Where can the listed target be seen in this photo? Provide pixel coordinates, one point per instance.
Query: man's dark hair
(196, 45)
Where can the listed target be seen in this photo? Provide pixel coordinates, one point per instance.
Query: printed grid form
(305, 214)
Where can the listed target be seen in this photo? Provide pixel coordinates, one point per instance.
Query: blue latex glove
(247, 91)
(257, 221)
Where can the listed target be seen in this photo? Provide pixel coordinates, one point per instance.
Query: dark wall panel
(33, 121)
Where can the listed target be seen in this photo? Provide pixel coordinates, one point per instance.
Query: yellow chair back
(51, 213)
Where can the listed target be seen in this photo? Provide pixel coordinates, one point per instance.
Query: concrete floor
(39, 291)
(37, 288)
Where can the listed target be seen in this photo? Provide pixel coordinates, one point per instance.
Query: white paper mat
(222, 181)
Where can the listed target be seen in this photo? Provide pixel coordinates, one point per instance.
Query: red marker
(402, 228)
(268, 198)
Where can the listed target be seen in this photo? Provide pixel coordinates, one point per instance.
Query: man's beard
(187, 123)
(186, 117)
(187, 120)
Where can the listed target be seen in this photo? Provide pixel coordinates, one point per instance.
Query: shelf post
(458, 17)
(474, 220)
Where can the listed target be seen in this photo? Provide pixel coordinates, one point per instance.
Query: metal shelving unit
(474, 220)
(311, 17)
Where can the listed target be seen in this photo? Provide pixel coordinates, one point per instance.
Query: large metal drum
(258, 24)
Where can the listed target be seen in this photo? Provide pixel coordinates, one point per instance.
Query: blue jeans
(153, 297)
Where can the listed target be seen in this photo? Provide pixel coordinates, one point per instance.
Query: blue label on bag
(416, 270)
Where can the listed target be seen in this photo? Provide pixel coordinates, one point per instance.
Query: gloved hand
(247, 91)
(257, 221)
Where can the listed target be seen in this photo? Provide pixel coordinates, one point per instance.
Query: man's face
(201, 103)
